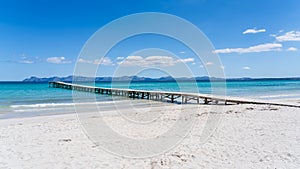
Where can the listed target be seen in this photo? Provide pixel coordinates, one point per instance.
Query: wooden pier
(173, 97)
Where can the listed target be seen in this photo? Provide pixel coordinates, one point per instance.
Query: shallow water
(29, 99)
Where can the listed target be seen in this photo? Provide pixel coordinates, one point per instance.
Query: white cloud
(254, 30)
(148, 61)
(292, 49)
(120, 58)
(182, 52)
(153, 61)
(186, 60)
(159, 60)
(209, 63)
(57, 60)
(103, 61)
(26, 61)
(289, 36)
(246, 68)
(258, 48)
(80, 60)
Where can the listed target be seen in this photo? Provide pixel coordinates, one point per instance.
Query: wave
(63, 108)
(84, 104)
(279, 96)
(42, 105)
(35, 110)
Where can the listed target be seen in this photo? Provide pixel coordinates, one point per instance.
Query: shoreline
(46, 109)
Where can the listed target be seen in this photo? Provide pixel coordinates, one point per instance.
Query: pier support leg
(205, 101)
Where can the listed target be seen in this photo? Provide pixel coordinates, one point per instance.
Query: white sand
(249, 136)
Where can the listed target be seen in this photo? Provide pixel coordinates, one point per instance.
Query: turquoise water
(18, 99)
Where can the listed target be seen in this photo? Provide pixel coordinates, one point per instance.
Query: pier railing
(173, 97)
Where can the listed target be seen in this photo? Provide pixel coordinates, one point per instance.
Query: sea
(19, 99)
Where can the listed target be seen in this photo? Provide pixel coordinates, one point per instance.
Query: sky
(253, 38)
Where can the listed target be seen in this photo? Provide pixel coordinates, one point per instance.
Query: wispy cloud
(289, 36)
(258, 48)
(292, 49)
(148, 61)
(120, 58)
(57, 60)
(186, 60)
(246, 68)
(26, 61)
(209, 63)
(153, 61)
(103, 61)
(254, 30)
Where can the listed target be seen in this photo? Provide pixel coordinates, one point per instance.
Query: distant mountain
(97, 79)
(34, 79)
(55, 78)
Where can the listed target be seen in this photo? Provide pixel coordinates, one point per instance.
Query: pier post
(160, 95)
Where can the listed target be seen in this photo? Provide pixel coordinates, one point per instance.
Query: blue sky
(253, 38)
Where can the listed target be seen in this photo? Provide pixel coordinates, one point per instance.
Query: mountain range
(143, 79)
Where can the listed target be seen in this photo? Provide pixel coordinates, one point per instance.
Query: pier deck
(173, 97)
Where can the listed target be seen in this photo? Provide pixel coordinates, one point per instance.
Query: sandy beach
(248, 136)
(178, 84)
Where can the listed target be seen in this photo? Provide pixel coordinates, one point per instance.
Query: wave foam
(43, 105)
(279, 96)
